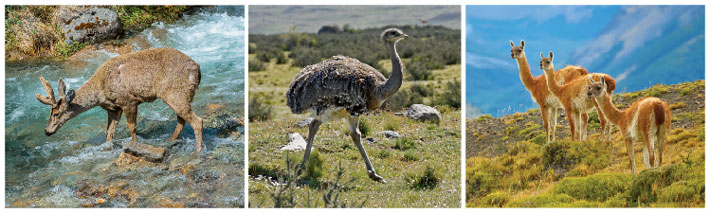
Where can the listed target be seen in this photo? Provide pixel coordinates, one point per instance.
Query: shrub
(404, 144)
(402, 99)
(410, 156)
(314, 165)
(597, 187)
(451, 96)
(427, 180)
(256, 65)
(364, 127)
(649, 183)
(391, 125)
(497, 199)
(542, 200)
(258, 111)
(421, 90)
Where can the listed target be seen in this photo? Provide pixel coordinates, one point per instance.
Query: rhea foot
(376, 177)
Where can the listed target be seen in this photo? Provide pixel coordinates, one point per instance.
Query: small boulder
(304, 123)
(145, 151)
(389, 134)
(423, 113)
(295, 143)
(93, 25)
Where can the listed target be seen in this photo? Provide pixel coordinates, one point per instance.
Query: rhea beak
(404, 36)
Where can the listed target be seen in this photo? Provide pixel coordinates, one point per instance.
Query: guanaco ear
(610, 84)
(541, 55)
(603, 82)
(522, 43)
(591, 81)
(551, 55)
(512, 44)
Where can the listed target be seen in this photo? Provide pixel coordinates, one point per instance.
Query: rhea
(343, 87)
(122, 83)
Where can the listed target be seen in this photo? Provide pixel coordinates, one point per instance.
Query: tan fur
(537, 86)
(122, 83)
(572, 96)
(648, 118)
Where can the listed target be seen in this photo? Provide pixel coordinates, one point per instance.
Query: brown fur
(537, 86)
(122, 83)
(645, 110)
(572, 96)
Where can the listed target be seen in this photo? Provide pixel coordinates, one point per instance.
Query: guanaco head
(58, 114)
(517, 52)
(392, 35)
(596, 89)
(546, 62)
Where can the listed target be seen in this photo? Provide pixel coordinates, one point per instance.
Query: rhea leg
(178, 128)
(113, 118)
(546, 122)
(312, 130)
(355, 134)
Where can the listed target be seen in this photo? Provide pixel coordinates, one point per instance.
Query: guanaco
(537, 87)
(648, 117)
(123, 82)
(573, 98)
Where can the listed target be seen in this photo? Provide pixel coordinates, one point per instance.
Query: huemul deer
(572, 96)
(649, 117)
(122, 83)
(537, 87)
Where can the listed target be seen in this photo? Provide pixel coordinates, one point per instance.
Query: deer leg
(196, 123)
(113, 118)
(630, 150)
(131, 115)
(183, 110)
(546, 122)
(354, 121)
(178, 128)
(312, 130)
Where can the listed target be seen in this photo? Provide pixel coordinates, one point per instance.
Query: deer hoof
(376, 177)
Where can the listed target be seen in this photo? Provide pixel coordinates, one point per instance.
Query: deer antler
(49, 99)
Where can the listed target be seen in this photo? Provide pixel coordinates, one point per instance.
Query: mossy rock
(648, 184)
(598, 187)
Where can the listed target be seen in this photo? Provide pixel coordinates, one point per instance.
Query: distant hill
(308, 19)
(638, 45)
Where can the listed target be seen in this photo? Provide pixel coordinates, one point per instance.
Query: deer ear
(62, 87)
(70, 95)
(512, 44)
(522, 43)
(551, 55)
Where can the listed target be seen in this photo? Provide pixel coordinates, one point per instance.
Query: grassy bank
(509, 165)
(35, 31)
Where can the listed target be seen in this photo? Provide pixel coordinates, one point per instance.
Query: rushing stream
(76, 168)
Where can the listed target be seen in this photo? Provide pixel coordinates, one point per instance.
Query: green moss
(597, 187)
(314, 166)
(542, 200)
(618, 200)
(497, 199)
(137, 18)
(364, 127)
(410, 156)
(683, 192)
(64, 50)
(649, 183)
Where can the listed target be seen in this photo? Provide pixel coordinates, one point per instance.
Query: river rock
(423, 113)
(304, 123)
(92, 25)
(295, 143)
(145, 151)
(389, 134)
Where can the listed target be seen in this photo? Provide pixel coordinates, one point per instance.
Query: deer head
(596, 89)
(59, 113)
(517, 52)
(546, 62)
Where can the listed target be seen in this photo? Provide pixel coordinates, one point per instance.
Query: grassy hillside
(422, 167)
(509, 165)
(273, 19)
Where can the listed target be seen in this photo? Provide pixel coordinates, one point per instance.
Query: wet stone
(145, 151)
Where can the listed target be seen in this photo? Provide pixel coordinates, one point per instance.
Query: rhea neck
(612, 113)
(524, 69)
(395, 80)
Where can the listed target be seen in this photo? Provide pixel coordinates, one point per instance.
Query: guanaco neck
(551, 83)
(87, 97)
(395, 80)
(613, 114)
(525, 75)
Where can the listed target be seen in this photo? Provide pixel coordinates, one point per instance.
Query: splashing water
(75, 168)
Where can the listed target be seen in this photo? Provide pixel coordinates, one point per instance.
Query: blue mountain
(640, 46)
